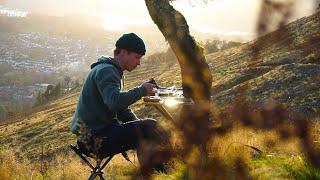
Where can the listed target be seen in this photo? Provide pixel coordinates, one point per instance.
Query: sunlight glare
(119, 22)
(12, 13)
(208, 29)
(171, 102)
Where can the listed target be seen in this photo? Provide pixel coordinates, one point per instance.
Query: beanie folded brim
(131, 42)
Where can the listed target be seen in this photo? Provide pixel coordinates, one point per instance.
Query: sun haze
(220, 17)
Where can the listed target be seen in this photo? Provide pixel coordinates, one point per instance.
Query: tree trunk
(196, 75)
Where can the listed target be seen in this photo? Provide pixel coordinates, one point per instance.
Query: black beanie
(131, 42)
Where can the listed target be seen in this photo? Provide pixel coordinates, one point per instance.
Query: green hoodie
(101, 99)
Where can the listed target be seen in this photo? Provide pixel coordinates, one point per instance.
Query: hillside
(286, 69)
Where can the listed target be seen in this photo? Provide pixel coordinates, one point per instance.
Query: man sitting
(103, 123)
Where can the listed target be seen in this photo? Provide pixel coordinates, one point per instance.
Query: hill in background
(286, 69)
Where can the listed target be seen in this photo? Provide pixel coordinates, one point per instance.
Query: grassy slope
(288, 72)
(287, 68)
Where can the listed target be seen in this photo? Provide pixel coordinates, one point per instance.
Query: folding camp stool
(97, 171)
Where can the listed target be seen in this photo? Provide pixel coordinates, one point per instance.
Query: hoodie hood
(107, 60)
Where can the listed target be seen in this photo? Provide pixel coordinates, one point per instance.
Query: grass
(283, 167)
(273, 76)
(61, 166)
(282, 160)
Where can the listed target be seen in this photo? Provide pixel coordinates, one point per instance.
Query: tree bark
(196, 76)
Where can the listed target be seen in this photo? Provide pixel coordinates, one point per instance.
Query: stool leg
(101, 177)
(77, 151)
(93, 176)
(95, 173)
(98, 171)
(105, 163)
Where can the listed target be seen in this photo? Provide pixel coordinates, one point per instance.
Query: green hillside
(287, 69)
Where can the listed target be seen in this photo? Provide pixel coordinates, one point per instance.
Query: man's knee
(149, 123)
(148, 129)
(153, 131)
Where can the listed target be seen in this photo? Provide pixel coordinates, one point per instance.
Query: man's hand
(150, 88)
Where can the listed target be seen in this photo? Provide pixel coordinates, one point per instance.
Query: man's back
(100, 98)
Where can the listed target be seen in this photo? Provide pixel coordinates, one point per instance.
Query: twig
(246, 145)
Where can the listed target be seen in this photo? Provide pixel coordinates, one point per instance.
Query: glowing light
(12, 13)
(209, 29)
(171, 102)
(113, 21)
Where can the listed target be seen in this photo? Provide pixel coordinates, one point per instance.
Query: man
(103, 123)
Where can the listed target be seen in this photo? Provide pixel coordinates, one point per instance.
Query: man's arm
(108, 84)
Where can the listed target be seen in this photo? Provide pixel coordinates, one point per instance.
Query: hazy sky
(215, 16)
